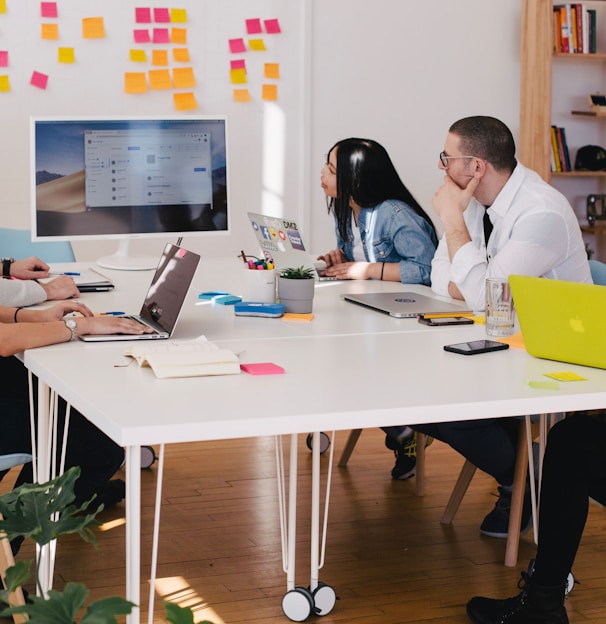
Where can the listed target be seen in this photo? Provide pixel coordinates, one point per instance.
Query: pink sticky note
(262, 368)
(253, 26)
(238, 64)
(3, 58)
(272, 26)
(39, 80)
(143, 15)
(141, 35)
(48, 9)
(236, 46)
(162, 16)
(161, 35)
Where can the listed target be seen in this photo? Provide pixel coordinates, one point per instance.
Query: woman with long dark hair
(382, 232)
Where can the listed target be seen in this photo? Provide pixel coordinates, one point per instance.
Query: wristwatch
(73, 328)
(6, 266)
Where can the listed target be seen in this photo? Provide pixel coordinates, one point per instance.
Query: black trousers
(96, 454)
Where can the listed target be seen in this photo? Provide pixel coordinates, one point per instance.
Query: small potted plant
(296, 289)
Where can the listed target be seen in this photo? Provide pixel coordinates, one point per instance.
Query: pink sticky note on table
(161, 35)
(162, 16)
(48, 9)
(39, 80)
(253, 26)
(3, 58)
(141, 35)
(272, 26)
(262, 368)
(142, 15)
(238, 64)
(236, 46)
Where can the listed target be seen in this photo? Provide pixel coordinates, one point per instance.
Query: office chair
(17, 244)
(6, 554)
(598, 272)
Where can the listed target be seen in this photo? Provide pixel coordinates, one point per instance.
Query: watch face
(71, 323)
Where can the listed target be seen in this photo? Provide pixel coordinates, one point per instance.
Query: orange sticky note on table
(183, 77)
(93, 28)
(181, 55)
(159, 57)
(159, 79)
(135, 82)
(290, 316)
(178, 35)
(49, 32)
(270, 92)
(272, 70)
(185, 101)
(241, 95)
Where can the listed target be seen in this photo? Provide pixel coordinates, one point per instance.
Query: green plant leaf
(16, 576)
(297, 273)
(29, 509)
(103, 611)
(180, 615)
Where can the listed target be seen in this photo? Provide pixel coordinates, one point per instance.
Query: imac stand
(122, 261)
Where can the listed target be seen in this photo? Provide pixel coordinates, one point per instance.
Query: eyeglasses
(444, 159)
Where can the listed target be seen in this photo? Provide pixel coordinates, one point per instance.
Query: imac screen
(122, 177)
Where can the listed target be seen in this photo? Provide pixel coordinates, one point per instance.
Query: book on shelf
(185, 358)
(560, 155)
(574, 29)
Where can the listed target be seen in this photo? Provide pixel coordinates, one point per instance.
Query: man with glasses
(499, 218)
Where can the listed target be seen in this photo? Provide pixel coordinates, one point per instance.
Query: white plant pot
(297, 295)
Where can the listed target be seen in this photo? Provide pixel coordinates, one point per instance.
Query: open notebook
(164, 300)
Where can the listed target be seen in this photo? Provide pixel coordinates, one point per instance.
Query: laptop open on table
(280, 239)
(407, 304)
(164, 299)
(563, 321)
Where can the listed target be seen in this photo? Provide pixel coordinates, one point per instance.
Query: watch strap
(6, 266)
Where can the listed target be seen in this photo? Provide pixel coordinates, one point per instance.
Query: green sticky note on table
(543, 385)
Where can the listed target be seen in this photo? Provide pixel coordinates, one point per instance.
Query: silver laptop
(165, 297)
(407, 304)
(280, 240)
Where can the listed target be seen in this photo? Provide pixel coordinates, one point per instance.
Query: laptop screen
(169, 287)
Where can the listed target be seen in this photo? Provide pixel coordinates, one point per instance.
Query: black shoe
(534, 605)
(406, 456)
(111, 494)
(496, 523)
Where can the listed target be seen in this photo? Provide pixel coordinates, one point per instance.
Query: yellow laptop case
(564, 321)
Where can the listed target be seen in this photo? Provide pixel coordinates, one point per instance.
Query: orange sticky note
(5, 84)
(159, 57)
(178, 15)
(241, 95)
(135, 82)
(178, 35)
(258, 45)
(290, 316)
(270, 92)
(183, 77)
(93, 28)
(185, 101)
(272, 70)
(66, 55)
(181, 55)
(159, 79)
(138, 56)
(49, 31)
(238, 76)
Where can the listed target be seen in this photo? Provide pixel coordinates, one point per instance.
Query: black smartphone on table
(444, 321)
(476, 346)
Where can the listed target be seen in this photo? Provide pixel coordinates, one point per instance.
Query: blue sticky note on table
(212, 294)
(227, 299)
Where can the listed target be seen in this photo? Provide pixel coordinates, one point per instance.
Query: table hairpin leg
(318, 599)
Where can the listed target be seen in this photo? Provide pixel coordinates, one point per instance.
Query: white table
(350, 368)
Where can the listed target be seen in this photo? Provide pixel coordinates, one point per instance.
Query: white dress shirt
(535, 232)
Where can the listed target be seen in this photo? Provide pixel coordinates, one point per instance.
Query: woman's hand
(350, 270)
(333, 257)
(110, 325)
(29, 268)
(53, 313)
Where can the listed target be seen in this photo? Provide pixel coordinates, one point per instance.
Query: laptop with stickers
(164, 299)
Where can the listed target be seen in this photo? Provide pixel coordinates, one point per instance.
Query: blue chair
(598, 272)
(18, 244)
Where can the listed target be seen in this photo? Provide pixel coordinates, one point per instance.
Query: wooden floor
(388, 558)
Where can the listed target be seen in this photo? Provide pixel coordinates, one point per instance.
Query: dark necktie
(487, 227)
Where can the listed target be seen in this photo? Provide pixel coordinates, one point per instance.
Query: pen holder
(260, 285)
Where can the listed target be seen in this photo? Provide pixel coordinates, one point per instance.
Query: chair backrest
(18, 244)
(14, 459)
(598, 272)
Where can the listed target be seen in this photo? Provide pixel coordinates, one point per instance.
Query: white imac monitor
(122, 178)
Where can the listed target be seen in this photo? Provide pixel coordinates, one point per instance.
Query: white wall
(398, 71)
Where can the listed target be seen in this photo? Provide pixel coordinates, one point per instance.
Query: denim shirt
(393, 232)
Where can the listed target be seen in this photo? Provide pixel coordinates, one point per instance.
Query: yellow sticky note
(289, 316)
(50, 31)
(138, 56)
(543, 385)
(5, 84)
(270, 92)
(183, 77)
(159, 57)
(181, 55)
(238, 76)
(66, 55)
(241, 95)
(135, 82)
(178, 35)
(160, 79)
(178, 15)
(272, 70)
(2, 6)
(93, 28)
(258, 45)
(566, 376)
(185, 101)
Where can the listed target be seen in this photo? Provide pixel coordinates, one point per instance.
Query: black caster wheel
(324, 599)
(324, 442)
(148, 457)
(298, 604)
